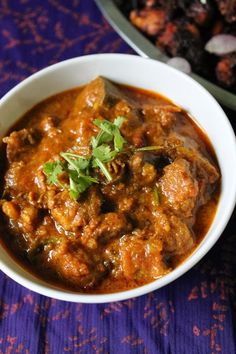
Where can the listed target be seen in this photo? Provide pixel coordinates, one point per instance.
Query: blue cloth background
(195, 314)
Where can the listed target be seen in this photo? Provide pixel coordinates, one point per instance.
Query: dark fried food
(182, 38)
(228, 9)
(226, 70)
(182, 28)
(150, 21)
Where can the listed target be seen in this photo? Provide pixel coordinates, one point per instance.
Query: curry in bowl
(106, 188)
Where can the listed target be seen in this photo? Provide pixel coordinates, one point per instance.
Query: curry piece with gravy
(106, 188)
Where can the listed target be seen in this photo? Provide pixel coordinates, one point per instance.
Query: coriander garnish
(52, 170)
(108, 132)
(78, 168)
(149, 148)
(156, 195)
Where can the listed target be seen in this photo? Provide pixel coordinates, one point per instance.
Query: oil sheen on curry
(106, 188)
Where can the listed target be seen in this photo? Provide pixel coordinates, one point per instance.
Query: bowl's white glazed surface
(150, 75)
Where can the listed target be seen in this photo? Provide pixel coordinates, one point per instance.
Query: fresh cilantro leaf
(83, 184)
(112, 129)
(79, 164)
(104, 153)
(149, 148)
(119, 121)
(48, 168)
(78, 186)
(52, 170)
(101, 138)
(119, 141)
(74, 190)
(94, 142)
(105, 126)
(75, 162)
(78, 168)
(100, 164)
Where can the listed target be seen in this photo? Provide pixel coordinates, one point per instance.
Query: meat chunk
(150, 3)
(205, 172)
(164, 115)
(182, 38)
(120, 198)
(15, 177)
(176, 236)
(144, 173)
(226, 70)
(11, 209)
(18, 142)
(133, 128)
(22, 214)
(97, 95)
(148, 20)
(199, 11)
(74, 265)
(116, 168)
(103, 98)
(72, 215)
(125, 203)
(66, 212)
(104, 228)
(49, 125)
(203, 166)
(179, 187)
(228, 9)
(141, 259)
(179, 239)
(29, 218)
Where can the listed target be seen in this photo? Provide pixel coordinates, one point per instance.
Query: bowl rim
(58, 293)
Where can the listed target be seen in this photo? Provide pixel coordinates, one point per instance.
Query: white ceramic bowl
(147, 74)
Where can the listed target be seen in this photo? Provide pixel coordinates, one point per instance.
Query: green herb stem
(103, 169)
(149, 148)
(70, 154)
(156, 196)
(78, 168)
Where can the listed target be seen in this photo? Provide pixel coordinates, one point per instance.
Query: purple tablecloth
(195, 314)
